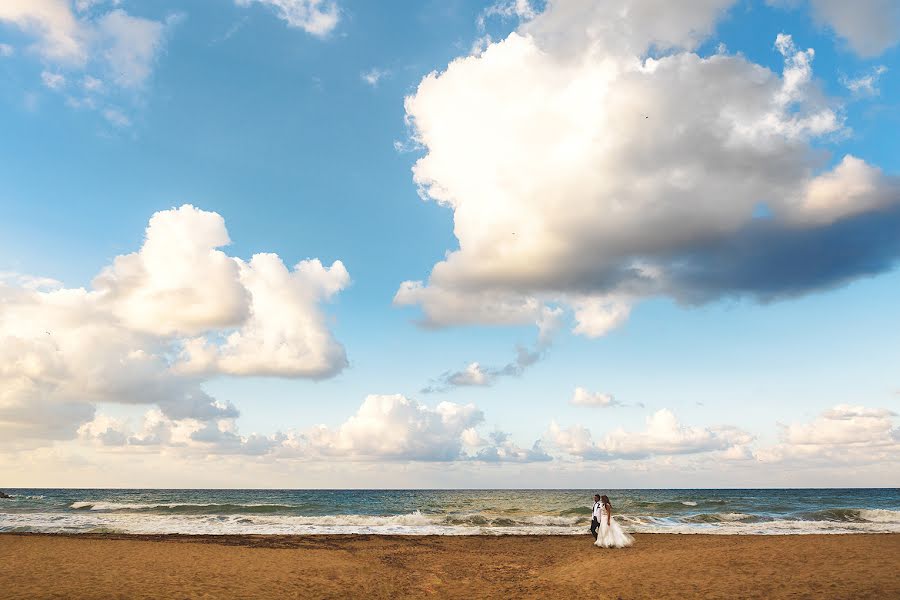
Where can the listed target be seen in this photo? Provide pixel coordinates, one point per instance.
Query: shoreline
(103, 565)
(232, 538)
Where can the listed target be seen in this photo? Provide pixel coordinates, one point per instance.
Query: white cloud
(625, 27)
(130, 46)
(60, 35)
(97, 43)
(396, 427)
(53, 81)
(116, 117)
(476, 374)
(374, 75)
(844, 434)
(115, 41)
(867, 84)
(502, 449)
(618, 177)
(664, 436)
(28, 281)
(285, 333)
(506, 9)
(92, 84)
(852, 188)
(583, 397)
(105, 430)
(6, 50)
(869, 26)
(63, 350)
(178, 282)
(86, 5)
(598, 315)
(385, 428)
(317, 17)
(189, 435)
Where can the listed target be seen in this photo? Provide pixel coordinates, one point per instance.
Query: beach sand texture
(658, 566)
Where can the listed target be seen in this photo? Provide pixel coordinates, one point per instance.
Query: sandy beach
(658, 566)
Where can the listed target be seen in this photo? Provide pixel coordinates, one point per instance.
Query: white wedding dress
(612, 535)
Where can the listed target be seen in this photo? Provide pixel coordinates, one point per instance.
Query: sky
(440, 244)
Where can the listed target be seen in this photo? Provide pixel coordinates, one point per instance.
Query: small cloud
(480, 45)
(410, 145)
(86, 102)
(229, 33)
(92, 84)
(6, 50)
(316, 17)
(583, 397)
(86, 5)
(864, 85)
(374, 75)
(478, 375)
(116, 117)
(29, 282)
(507, 9)
(53, 81)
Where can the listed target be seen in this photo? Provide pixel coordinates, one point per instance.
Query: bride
(610, 534)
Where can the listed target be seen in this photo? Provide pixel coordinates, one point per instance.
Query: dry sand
(658, 566)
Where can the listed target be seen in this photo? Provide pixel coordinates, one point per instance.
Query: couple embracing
(606, 532)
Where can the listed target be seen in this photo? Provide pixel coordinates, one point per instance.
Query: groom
(595, 515)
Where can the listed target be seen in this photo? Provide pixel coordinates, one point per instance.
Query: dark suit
(594, 523)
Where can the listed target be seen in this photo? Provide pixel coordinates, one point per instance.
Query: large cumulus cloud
(581, 170)
(155, 324)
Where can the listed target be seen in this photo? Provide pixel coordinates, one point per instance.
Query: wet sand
(658, 566)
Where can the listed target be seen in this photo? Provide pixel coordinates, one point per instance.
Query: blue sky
(266, 118)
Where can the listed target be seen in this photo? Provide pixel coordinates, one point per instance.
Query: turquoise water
(448, 512)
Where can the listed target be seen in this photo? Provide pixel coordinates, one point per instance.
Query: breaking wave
(183, 507)
(448, 512)
(88, 518)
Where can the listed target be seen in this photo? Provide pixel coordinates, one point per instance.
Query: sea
(448, 512)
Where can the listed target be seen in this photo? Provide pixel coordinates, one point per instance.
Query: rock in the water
(2, 495)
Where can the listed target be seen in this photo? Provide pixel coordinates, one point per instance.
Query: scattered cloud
(866, 84)
(87, 5)
(116, 117)
(663, 436)
(843, 434)
(507, 9)
(6, 50)
(583, 397)
(60, 35)
(92, 84)
(130, 46)
(621, 177)
(501, 449)
(316, 17)
(478, 375)
(384, 428)
(53, 81)
(374, 75)
(231, 31)
(96, 42)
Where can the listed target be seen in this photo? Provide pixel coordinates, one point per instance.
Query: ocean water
(448, 512)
